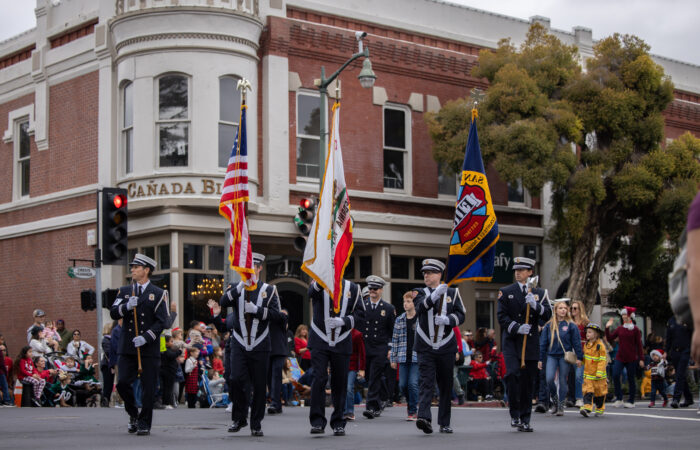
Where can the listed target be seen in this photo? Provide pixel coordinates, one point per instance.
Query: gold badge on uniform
(348, 294)
(151, 297)
(449, 299)
(264, 294)
(383, 312)
(537, 297)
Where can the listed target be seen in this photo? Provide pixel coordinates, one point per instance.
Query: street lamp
(366, 77)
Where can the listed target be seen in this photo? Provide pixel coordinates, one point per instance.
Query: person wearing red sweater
(479, 375)
(356, 369)
(629, 354)
(301, 340)
(27, 373)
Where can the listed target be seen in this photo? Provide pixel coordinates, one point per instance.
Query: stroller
(205, 397)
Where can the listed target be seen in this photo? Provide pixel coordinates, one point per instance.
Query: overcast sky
(670, 27)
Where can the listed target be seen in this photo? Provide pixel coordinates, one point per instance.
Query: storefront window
(365, 266)
(192, 256)
(164, 256)
(216, 257)
(484, 314)
(198, 289)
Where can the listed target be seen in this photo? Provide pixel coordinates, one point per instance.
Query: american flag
(232, 207)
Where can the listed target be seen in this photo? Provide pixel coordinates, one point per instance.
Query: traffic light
(108, 297)
(114, 226)
(303, 220)
(88, 300)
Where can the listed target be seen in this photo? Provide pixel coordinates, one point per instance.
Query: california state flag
(329, 245)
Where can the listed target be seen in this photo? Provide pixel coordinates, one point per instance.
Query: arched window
(229, 116)
(127, 126)
(173, 120)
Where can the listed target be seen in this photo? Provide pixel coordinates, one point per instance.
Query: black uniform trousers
(275, 380)
(248, 373)
(128, 372)
(519, 384)
(434, 367)
(376, 365)
(680, 362)
(339, 387)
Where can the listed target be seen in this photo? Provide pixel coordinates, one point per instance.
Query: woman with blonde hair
(580, 318)
(559, 336)
(301, 338)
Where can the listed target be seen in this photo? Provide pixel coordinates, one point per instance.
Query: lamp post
(366, 77)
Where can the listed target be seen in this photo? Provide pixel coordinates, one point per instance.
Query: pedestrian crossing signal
(303, 221)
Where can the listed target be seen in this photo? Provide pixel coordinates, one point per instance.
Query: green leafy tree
(595, 135)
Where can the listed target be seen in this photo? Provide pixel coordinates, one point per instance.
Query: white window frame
(224, 122)
(158, 121)
(527, 200)
(127, 154)
(457, 176)
(407, 153)
(17, 160)
(299, 135)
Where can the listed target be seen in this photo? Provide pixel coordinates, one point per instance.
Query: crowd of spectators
(58, 368)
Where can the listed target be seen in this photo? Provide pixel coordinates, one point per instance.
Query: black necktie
(140, 290)
(524, 290)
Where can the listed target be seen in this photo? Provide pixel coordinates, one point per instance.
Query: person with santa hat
(629, 354)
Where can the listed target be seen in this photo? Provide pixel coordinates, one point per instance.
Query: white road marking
(575, 412)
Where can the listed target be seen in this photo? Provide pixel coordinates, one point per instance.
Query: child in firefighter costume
(595, 383)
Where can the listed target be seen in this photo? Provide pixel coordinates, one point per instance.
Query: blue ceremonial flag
(475, 229)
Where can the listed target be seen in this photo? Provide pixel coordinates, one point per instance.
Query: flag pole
(243, 86)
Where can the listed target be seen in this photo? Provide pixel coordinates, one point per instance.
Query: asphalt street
(475, 428)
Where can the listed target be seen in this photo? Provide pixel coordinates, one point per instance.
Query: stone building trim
(185, 35)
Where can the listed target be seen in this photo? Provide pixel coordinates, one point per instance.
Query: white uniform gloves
(334, 322)
(131, 304)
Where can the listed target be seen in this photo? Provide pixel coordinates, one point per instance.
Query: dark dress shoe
(540, 408)
(339, 431)
(143, 432)
(674, 404)
(525, 427)
(424, 426)
(686, 404)
(515, 423)
(236, 426)
(272, 411)
(256, 433)
(132, 428)
(368, 413)
(317, 430)
(446, 429)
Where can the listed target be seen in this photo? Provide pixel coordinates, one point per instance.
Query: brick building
(141, 95)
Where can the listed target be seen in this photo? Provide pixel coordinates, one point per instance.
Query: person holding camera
(79, 348)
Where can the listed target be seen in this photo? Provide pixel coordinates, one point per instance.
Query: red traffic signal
(307, 203)
(114, 234)
(303, 220)
(119, 201)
